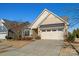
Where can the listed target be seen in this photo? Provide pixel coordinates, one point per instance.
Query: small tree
(71, 37)
(77, 33)
(74, 33)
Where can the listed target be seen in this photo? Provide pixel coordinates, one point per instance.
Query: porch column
(30, 32)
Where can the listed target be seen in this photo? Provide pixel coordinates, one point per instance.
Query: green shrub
(27, 38)
(38, 37)
(71, 38)
(7, 37)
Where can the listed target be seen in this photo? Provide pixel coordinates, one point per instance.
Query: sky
(22, 12)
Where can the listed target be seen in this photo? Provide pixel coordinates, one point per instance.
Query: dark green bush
(7, 37)
(38, 37)
(71, 38)
(27, 38)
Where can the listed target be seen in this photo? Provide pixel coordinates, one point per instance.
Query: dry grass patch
(15, 43)
(68, 50)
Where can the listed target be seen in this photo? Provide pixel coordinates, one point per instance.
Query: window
(60, 29)
(53, 29)
(26, 33)
(48, 30)
(43, 30)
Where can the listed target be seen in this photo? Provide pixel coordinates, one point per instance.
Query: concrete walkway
(38, 48)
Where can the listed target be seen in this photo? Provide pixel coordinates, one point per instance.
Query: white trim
(3, 32)
(2, 21)
(37, 17)
(43, 20)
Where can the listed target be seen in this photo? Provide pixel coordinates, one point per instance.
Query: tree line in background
(76, 33)
(72, 35)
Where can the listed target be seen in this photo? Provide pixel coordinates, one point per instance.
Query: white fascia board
(37, 19)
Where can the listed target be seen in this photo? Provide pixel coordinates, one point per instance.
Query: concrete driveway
(38, 48)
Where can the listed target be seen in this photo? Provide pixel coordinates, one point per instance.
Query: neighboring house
(14, 30)
(49, 26)
(3, 30)
(19, 31)
(26, 32)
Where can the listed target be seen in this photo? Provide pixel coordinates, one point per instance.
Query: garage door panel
(57, 35)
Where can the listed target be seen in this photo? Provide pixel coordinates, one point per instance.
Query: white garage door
(2, 36)
(54, 35)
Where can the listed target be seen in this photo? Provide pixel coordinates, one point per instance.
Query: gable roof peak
(46, 10)
(56, 15)
(44, 13)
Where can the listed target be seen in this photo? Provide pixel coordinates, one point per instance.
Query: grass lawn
(15, 43)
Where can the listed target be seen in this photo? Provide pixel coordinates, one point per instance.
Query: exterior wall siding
(40, 19)
(51, 20)
(3, 35)
(3, 31)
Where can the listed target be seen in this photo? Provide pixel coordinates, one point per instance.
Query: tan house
(49, 26)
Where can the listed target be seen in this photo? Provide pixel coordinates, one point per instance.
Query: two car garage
(57, 34)
(52, 31)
